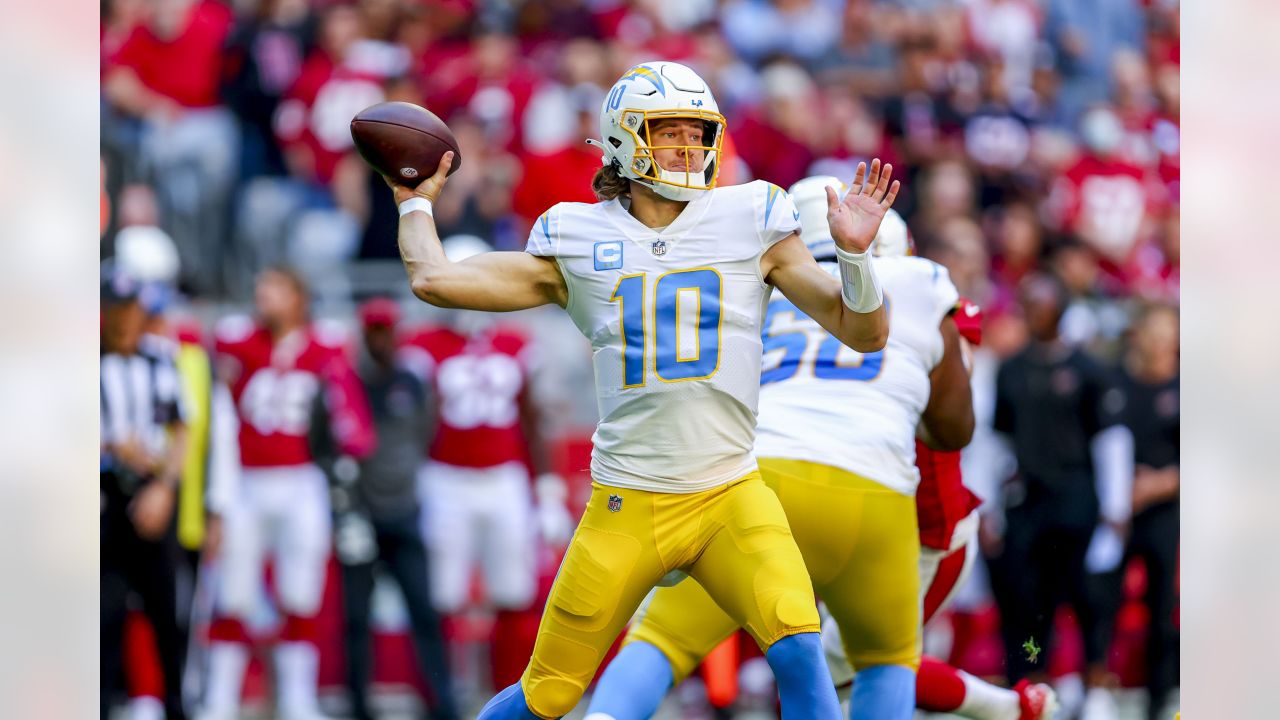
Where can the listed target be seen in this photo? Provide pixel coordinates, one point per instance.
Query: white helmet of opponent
(654, 91)
(810, 196)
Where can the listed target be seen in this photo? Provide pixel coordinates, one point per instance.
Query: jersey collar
(644, 235)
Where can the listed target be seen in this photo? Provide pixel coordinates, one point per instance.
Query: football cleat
(1036, 701)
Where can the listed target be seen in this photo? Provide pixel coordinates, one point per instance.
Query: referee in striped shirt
(141, 459)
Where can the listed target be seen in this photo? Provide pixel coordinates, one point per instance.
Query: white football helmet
(147, 254)
(893, 239)
(654, 91)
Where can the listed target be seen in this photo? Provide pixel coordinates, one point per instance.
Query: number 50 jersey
(674, 317)
(824, 403)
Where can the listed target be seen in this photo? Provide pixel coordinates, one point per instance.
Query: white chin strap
(697, 180)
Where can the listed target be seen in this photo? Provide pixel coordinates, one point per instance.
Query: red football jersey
(275, 385)
(479, 382)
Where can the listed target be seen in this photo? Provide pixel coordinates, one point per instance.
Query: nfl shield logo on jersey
(659, 247)
(615, 503)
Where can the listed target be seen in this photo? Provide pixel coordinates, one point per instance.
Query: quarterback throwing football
(668, 276)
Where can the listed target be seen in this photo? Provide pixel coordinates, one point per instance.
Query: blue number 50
(796, 349)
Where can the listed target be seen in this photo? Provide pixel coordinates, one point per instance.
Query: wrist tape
(414, 204)
(860, 287)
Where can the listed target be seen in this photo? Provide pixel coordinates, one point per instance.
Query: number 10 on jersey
(677, 295)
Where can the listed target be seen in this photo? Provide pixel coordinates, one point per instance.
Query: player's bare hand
(855, 221)
(134, 456)
(152, 510)
(429, 188)
(1152, 486)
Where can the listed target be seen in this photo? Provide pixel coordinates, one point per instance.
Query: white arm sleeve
(1112, 451)
(223, 483)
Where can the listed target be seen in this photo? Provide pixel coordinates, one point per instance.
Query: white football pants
(481, 516)
(283, 512)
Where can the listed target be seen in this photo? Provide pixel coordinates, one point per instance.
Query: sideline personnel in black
(1151, 381)
(143, 445)
(1061, 410)
(378, 516)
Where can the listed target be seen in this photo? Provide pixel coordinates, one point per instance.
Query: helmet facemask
(702, 162)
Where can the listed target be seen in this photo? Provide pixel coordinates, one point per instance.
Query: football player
(668, 277)
(284, 373)
(947, 515)
(850, 499)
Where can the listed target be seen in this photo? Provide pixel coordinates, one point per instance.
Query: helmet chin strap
(673, 192)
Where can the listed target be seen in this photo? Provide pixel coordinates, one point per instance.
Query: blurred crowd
(1037, 141)
(1045, 132)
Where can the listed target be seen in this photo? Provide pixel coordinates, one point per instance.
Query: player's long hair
(608, 183)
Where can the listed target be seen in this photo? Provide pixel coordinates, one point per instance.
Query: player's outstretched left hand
(855, 221)
(429, 188)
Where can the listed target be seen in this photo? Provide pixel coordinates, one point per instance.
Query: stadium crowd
(1038, 145)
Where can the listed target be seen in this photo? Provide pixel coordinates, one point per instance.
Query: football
(403, 141)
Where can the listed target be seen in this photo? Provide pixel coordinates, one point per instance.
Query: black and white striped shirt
(141, 395)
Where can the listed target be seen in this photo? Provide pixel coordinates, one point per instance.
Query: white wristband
(860, 288)
(415, 204)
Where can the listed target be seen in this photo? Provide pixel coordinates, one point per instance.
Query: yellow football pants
(860, 543)
(732, 539)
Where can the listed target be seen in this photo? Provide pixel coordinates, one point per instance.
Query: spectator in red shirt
(563, 174)
(315, 217)
(167, 74)
(772, 137)
(1102, 198)
(490, 83)
(340, 78)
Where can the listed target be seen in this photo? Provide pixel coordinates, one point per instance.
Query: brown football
(403, 141)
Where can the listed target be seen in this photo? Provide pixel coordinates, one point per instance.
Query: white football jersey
(824, 403)
(674, 320)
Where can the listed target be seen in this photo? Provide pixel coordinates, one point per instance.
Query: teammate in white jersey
(836, 442)
(668, 277)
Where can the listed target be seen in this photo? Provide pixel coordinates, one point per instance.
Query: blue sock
(804, 683)
(883, 692)
(633, 685)
(507, 705)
